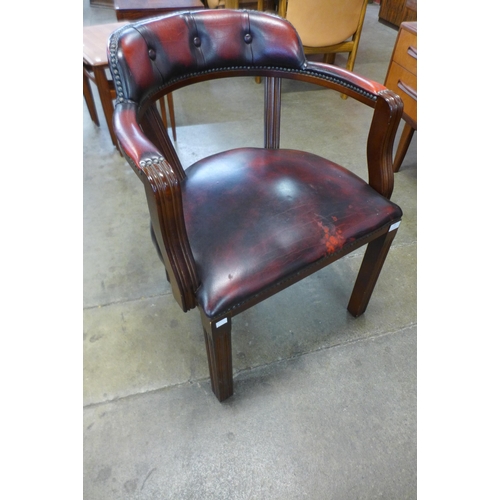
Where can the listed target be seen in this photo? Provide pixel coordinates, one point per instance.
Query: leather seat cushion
(257, 216)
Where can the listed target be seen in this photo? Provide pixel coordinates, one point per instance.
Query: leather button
(248, 38)
(197, 41)
(152, 54)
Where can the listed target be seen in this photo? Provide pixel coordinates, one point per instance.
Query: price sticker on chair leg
(394, 226)
(220, 323)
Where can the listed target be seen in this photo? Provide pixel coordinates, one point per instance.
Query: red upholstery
(255, 217)
(198, 42)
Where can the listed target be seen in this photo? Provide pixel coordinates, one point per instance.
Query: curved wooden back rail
(151, 58)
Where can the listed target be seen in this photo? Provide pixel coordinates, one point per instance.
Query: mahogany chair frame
(149, 151)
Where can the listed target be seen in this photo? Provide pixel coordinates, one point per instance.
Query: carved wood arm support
(385, 122)
(163, 193)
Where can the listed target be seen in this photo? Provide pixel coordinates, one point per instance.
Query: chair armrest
(134, 144)
(388, 109)
(164, 196)
(366, 88)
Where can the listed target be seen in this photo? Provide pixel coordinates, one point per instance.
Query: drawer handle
(406, 88)
(412, 51)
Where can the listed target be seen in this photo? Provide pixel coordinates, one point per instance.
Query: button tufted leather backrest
(156, 51)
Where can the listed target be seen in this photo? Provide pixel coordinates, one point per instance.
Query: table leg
(106, 99)
(89, 99)
(171, 112)
(163, 112)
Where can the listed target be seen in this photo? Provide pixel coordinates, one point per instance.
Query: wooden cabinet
(395, 12)
(402, 79)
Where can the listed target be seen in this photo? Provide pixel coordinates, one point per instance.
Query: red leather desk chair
(239, 226)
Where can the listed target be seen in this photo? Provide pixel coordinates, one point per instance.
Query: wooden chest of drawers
(402, 79)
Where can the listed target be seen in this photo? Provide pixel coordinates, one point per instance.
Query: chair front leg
(373, 261)
(220, 364)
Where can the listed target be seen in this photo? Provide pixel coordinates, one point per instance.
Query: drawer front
(405, 52)
(404, 84)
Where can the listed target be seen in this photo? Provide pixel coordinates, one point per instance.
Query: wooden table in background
(131, 10)
(95, 64)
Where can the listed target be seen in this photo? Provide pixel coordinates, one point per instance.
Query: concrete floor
(324, 404)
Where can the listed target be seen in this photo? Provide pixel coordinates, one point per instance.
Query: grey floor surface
(324, 404)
